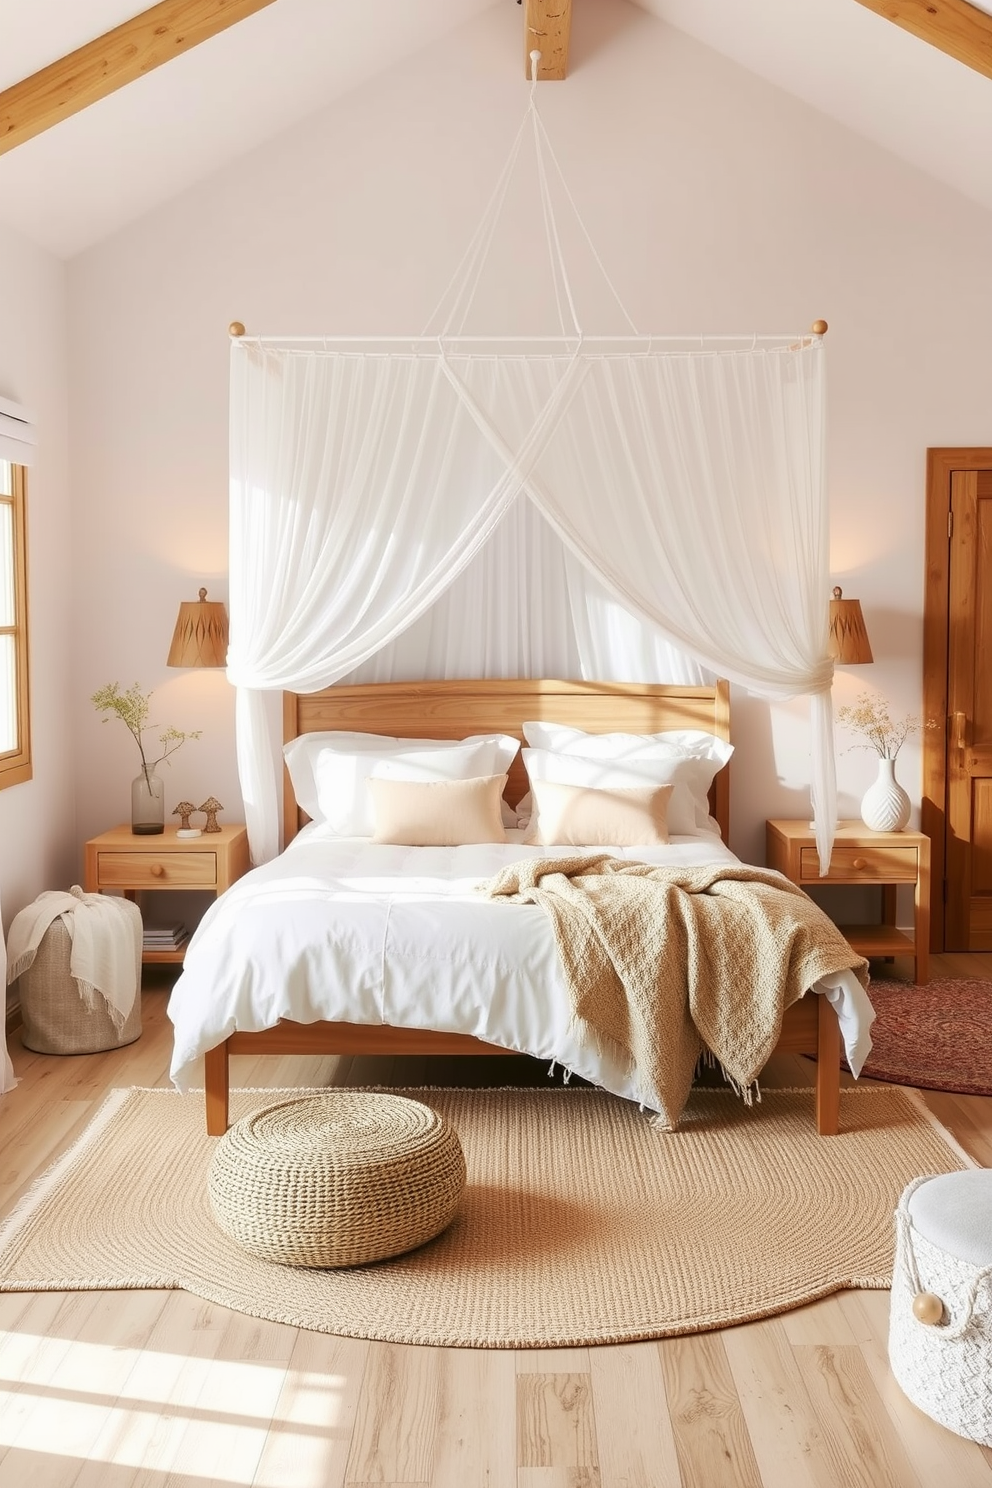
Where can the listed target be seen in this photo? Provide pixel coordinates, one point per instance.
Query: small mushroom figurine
(211, 806)
(184, 810)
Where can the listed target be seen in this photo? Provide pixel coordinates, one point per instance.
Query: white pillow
(688, 808)
(301, 754)
(564, 740)
(343, 800)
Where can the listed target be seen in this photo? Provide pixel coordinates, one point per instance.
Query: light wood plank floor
(155, 1389)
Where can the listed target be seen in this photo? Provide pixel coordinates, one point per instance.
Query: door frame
(941, 465)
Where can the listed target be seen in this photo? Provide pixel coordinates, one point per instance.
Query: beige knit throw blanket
(662, 963)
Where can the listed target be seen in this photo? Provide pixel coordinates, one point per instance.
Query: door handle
(960, 730)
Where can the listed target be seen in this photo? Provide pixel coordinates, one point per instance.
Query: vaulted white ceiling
(861, 70)
(91, 174)
(100, 169)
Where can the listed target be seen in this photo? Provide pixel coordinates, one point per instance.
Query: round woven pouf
(336, 1179)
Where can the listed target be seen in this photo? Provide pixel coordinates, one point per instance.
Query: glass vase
(147, 804)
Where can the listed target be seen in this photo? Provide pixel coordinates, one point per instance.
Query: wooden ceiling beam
(118, 57)
(955, 27)
(547, 24)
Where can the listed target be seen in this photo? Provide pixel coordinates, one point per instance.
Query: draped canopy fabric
(686, 491)
(526, 607)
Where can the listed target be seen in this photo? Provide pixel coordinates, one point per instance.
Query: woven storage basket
(54, 1016)
(336, 1179)
(944, 1367)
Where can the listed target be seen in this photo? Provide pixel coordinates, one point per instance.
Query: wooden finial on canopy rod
(236, 329)
(819, 328)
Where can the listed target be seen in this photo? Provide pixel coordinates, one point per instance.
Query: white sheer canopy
(685, 490)
(525, 607)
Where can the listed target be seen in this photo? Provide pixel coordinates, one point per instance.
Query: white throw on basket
(78, 959)
(940, 1326)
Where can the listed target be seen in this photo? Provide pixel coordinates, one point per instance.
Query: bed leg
(827, 1069)
(217, 1081)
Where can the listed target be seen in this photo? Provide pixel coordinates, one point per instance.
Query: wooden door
(968, 843)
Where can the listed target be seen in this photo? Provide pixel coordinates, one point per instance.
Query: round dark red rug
(938, 1036)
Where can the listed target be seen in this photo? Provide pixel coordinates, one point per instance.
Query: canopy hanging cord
(542, 143)
(584, 230)
(555, 256)
(460, 291)
(469, 269)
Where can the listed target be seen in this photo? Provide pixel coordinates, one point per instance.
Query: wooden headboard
(452, 710)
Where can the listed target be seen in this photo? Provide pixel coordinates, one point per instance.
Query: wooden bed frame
(452, 710)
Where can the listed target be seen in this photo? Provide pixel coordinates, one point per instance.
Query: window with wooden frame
(15, 722)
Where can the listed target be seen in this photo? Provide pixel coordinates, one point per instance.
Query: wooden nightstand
(119, 860)
(861, 856)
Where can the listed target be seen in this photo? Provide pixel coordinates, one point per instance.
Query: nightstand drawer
(176, 870)
(862, 865)
(882, 861)
(119, 860)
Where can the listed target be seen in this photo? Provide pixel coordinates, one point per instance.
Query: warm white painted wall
(38, 836)
(718, 203)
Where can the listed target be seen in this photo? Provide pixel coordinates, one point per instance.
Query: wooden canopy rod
(953, 26)
(118, 57)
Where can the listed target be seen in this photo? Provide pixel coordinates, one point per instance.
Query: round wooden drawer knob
(860, 863)
(927, 1307)
(157, 870)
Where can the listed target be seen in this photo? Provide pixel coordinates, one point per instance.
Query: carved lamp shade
(848, 642)
(200, 636)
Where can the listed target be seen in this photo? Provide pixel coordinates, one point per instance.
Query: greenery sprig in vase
(147, 790)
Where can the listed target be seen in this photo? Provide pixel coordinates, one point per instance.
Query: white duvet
(353, 931)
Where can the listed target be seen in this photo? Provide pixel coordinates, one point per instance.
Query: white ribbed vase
(885, 806)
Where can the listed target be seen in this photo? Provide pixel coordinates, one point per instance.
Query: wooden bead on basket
(927, 1308)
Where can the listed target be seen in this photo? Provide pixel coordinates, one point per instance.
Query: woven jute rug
(581, 1222)
(938, 1035)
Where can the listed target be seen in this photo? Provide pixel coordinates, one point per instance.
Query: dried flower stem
(131, 708)
(869, 715)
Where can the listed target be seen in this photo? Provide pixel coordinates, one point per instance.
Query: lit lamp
(200, 636)
(848, 641)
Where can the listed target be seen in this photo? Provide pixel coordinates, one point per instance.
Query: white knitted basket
(945, 1367)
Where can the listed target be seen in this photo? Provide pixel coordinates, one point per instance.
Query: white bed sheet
(348, 930)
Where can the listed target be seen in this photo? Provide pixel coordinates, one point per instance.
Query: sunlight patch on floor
(132, 1407)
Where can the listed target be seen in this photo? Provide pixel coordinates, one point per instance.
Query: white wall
(38, 835)
(718, 204)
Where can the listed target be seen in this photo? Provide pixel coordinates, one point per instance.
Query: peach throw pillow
(437, 813)
(582, 816)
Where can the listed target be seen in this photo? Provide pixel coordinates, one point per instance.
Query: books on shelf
(164, 937)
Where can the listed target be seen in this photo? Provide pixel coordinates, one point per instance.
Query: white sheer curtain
(717, 526)
(526, 607)
(364, 484)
